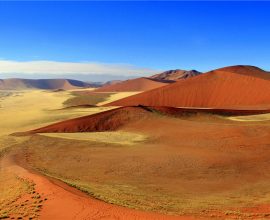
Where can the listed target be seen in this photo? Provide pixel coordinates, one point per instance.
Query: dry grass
(28, 110)
(81, 98)
(18, 197)
(170, 173)
(184, 166)
(16, 200)
(35, 108)
(21, 111)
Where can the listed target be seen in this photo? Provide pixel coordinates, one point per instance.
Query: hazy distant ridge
(15, 83)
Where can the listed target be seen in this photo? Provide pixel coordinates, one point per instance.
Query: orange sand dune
(138, 84)
(230, 87)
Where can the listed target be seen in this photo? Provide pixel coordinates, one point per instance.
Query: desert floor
(201, 166)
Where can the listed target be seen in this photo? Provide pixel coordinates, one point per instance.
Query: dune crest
(138, 84)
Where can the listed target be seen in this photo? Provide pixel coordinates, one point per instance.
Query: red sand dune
(116, 118)
(138, 84)
(229, 87)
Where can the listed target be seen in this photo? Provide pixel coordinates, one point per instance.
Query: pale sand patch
(115, 137)
(260, 117)
(82, 89)
(18, 111)
(29, 109)
(117, 96)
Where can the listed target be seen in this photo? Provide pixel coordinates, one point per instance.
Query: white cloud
(54, 67)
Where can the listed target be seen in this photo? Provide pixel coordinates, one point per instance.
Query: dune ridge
(138, 84)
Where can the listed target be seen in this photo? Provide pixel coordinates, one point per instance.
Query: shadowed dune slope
(230, 87)
(104, 121)
(43, 84)
(138, 84)
(116, 118)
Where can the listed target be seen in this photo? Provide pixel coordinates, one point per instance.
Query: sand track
(65, 202)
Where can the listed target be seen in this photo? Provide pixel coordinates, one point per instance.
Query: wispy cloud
(54, 67)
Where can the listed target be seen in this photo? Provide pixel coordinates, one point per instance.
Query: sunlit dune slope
(230, 87)
(138, 84)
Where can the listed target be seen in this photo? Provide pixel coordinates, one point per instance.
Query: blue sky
(141, 35)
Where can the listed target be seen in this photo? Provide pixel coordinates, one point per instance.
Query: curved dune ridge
(65, 84)
(246, 70)
(138, 84)
(114, 119)
(104, 121)
(230, 87)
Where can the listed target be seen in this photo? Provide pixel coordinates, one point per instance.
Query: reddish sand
(247, 70)
(231, 87)
(103, 121)
(116, 118)
(222, 156)
(138, 84)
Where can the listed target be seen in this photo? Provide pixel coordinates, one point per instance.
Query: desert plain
(197, 148)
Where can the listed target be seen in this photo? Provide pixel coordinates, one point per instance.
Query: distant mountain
(175, 74)
(81, 77)
(230, 87)
(112, 82)
(66, 84)
(138, 84)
